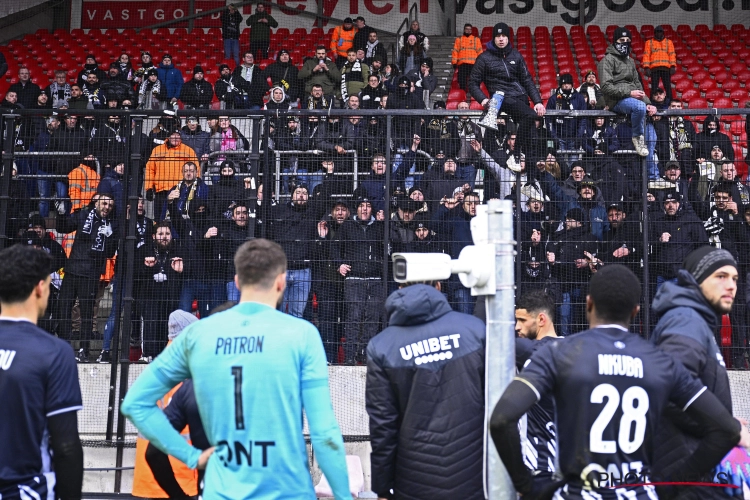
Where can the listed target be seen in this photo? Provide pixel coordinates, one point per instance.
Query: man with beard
(535, 271)
(690, 309)
(236, 232)
(342, 39)
(197, 93)
(161, 273)
(441, 184)
(284, 73)
(468, 131)
(116, 87)
(195, 137)
(402, 223)
(248, 78)
(425, 239)
(320, 70)
(164, 169)
(89, 66)
(38, 226)
(373, 187)
(144, 228)
(328, 283)
(623, 241)
(111, 141)
(97, 234)
(359, 250)
(92, 91)
(354, 75)
(594, 213)
(292, 226)
(502, 69)
(70, 139)
(466, 49)
(740, 192)
(674, 233)
(375, 51)
(569, 255)
(591, 91)
(406, 126)
(226, 89)
(77, 100)
(563, 128)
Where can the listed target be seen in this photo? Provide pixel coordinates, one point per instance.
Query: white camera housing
(411, 267)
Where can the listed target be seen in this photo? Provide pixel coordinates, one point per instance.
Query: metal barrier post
(9, 128)
(134, 187)
(386, 206)
(277, 154)
(646, 315)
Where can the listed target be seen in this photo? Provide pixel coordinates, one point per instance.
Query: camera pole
(500, 356)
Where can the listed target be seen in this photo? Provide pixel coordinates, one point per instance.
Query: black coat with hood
(426, 410)
(686, 330)
(505, 70)
(707, 140)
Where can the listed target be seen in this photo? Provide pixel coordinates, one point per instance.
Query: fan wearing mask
(622, 88)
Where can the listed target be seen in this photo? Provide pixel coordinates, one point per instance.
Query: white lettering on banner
(535, 13)
(424, 350)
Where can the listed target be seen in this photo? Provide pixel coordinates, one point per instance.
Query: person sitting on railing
(369, 96)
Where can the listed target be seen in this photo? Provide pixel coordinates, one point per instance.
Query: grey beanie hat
(178, 321)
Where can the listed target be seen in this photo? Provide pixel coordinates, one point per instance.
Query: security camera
(411, 267)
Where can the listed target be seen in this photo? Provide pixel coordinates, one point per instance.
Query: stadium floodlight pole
(500, 353)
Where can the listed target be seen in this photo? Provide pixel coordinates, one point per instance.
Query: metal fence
(341, 191)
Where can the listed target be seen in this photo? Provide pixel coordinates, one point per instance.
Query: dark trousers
(464, 71)
(331, 317)
(663, 75)
(259, 46)
(156, 310)
(524, 116)
(84, 289)
(365, 299)
(160, 205)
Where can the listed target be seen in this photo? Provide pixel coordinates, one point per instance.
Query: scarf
(370, 49)
(679, 139)
(228, 142)
(353, 75)
(148, 93)
(103, 232)
(92, 95)
(56, 90)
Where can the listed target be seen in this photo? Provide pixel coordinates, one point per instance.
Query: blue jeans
(298, 282)
(232, 50)
(570, 312)
(636, 109)
(45, 191)
(568, 145)
(232, 293)
(209, 294)
(114, 314)
(462, 299)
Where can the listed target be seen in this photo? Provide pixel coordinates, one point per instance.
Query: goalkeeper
(254, 369)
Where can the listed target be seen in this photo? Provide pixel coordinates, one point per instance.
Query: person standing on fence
(690, 311)
(503, 69)
(426, 412)
(466, 49)
(230, 32)
(660, 61)
(279, 370)
(39, 387)
(622, 89)
(97, 235)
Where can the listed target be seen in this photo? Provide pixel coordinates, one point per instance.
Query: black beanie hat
(575, 214)
(566, 78)
(501, 29)
(702, 262)
(621, 32)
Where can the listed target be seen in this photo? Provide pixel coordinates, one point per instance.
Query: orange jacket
(342, 40)
(466, 49)
(82, 184)
(659, 54)
(164, 168)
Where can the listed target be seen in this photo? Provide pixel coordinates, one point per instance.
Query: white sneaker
(145, 359)
(640, 145)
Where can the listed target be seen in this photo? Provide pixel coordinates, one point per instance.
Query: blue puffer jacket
(171, 77)
(425, 399)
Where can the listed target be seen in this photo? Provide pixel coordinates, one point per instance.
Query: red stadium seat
(739, 96)
(737, 68)
(451, 105)
(690, 94)
(698, 103)
(722, 102)
(744, 76)
(714, 94)
(730, 85)
(456, 95)
(707, 84)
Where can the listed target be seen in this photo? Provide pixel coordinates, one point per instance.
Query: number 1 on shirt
(239, 416)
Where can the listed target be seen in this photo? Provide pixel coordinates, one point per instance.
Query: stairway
(440, 52)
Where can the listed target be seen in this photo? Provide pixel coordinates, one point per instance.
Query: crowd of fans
(576, 182)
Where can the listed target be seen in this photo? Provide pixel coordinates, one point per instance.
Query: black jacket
(706, 141)
(294, 229)
(686, 331)
(117, 90)
(197, 94)
(255, 88)
(360, 245)
(686, 234)
(66, 140)
(503, 70)
(96, 241)
(284, 74)
(426, 410)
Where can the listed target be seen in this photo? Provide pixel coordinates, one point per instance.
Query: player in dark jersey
(610, 388)
(39, 391)
(535, 328)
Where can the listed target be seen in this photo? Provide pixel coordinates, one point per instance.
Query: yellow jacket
(466, 49)
(342, 40)
(164, 168)
(659, 54)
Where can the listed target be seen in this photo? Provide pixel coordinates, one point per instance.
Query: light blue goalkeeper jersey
(254, 369)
